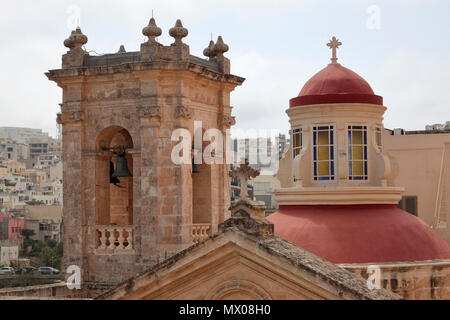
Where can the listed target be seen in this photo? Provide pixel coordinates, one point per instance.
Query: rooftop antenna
(152, 18)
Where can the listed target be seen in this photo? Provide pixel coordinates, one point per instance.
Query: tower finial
(152, 30)
(178, 32)
(76, 39)
(334, 44)
(209, 51)
(220, 47)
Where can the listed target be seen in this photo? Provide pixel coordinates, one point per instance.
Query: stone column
(182, 213)
(88, 159)
(147, 168)
(73, 213)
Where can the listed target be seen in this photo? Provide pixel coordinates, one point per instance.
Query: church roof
(369, 233)
(336, 84)
(249, 240)
(112, 59)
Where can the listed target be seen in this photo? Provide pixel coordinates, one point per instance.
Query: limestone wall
(413, 280)
(49, 291)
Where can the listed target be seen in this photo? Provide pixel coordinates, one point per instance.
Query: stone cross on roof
(334, 44)
(243, 173)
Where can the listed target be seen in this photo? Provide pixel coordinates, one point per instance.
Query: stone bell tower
(115, 227)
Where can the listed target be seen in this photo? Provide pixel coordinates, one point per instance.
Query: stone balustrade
(115, 239)
(200, 231)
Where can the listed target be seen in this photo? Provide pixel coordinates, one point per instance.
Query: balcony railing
(115, 239)
(200, 231)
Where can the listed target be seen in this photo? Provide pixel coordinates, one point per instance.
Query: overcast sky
(402, 48)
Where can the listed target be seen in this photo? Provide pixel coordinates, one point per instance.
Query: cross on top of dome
(334, 44)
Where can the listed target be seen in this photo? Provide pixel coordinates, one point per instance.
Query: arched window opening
(114, 189)
(201, 189)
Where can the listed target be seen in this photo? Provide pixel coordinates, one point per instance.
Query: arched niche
(201, 190)
(113, 202)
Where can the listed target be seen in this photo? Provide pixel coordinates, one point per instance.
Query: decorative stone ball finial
(152, 31)
(178, 32)
(76, 39)
(220, 47)
(209, 51)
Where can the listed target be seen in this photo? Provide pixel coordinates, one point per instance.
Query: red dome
(359, 233)
(336, 84)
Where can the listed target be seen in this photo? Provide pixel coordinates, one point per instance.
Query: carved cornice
(151, 112)
(226, 120)
(69, 116)
(77, 116)
(182, 112)
(340, 195)
(70, 74)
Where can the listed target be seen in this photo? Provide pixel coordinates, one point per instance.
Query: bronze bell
(112, 180)
(121, 167)
(194, 167)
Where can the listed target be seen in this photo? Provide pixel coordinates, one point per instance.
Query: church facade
(130, 212)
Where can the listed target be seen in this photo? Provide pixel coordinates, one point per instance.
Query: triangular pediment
(233, 265)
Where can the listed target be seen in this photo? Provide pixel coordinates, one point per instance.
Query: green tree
(38, 246)
(27, 233)
(52, 243)
(51, 256)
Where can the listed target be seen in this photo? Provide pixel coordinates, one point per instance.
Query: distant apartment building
(45, 221)
(30, 168)
(37, 148)
(11, 150)
(9, 167)
(283, 144)
(8, 252)
(420, 163)
(22, 135)
(263, 155)
(36, 176)
(4, 228)
(27, 145)
(11, 226)
(263, 186)
(261, 152)
(47, 160)
(55, 172)
(14, 191)
(9, 200)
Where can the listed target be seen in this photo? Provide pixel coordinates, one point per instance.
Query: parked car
(48, 270)
(7, 270)
(28, 269)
